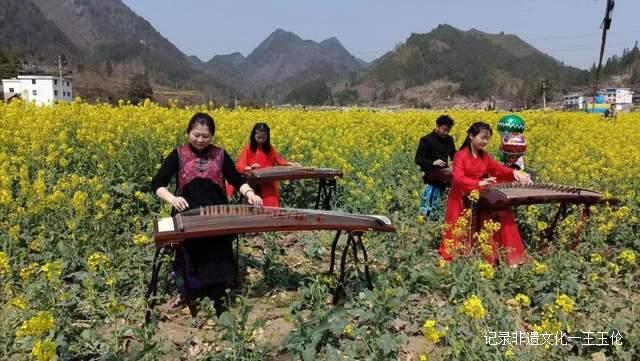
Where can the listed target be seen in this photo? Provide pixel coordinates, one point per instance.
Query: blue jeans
(430, 196)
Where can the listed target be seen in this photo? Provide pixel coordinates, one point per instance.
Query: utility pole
(544, 95)
(61, 59)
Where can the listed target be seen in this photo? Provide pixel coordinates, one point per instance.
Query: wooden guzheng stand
(326, 177)
(221, 220)
(504, 196)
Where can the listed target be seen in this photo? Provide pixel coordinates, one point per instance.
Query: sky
(568, 30)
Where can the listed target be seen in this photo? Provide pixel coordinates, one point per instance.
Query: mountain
(282, 61)
(26, 31)
(473, 63)
(105, 43)
(109, 31)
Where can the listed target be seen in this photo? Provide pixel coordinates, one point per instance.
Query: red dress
(467, 172)
(268, 190)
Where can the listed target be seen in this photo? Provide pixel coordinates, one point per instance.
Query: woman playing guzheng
(259, 153)
(204, 267)
(473, 169)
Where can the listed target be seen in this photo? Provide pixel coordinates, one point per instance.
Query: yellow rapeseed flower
(53, 270)
(36, 326)
(4, 264)
(473, 307)
(347, 330)
(96, 260)
(541, 226)
(522, 300)
(141, 239)
(627, 258)
(19, 302)
(474, 196)
(596, 258)
(486, 270)
(30, 270)
(44, 350)
(565, 303)
(613, 268)
(539, 268)
(430, 331)
(510, 354)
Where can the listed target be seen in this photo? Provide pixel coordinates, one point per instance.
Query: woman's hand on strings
(254, 199)
(179, 203)
(522, 177)
(487, 181)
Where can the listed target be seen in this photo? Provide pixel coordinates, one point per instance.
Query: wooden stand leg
(321, 185)
(560, 214)
(584, 219)
(152, 289)
(334, 245)
(366, 261)
(343, 262)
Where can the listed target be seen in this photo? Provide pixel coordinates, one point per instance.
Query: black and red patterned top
(200, 174)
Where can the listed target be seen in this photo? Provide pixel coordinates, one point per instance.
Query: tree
(635, 77)
(10, 65)
(347, 96)
(315, 92)
(108, 68)
(139, 88)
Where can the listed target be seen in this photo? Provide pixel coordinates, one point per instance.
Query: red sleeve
(243, 159)
(501, 172)
(466, 184)
(276, 158)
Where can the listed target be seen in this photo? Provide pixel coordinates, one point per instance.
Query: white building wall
(40, 89)
(11, 87)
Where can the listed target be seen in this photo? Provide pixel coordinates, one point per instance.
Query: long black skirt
(205, 267)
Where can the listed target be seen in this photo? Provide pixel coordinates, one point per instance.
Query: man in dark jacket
(434, 151)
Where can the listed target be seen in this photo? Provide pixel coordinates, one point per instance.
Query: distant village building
(574, 101)
(41, 89)
(621, 97)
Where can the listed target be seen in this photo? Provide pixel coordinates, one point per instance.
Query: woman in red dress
(259, 153)
(473, 168)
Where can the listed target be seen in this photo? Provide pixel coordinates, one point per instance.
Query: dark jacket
(433, 147)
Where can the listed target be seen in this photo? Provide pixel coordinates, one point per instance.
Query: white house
(41, 89)
(621, 97)
(574, 101)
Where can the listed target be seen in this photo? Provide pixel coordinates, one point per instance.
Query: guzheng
(441, 175)
(506, 195)
(291, 173)
(233, 219)
(502, 196)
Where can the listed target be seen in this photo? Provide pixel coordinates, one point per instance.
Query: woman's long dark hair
(474, 130)
(260, 127)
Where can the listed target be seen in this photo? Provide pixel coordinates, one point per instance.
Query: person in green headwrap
(513, 143)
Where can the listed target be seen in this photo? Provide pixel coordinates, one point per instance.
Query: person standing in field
(259, 153)
(474, 169)
(433, 154)
(203, 267)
